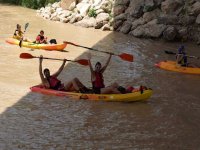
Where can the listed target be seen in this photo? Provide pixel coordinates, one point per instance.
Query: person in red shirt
(41, 39)
(52, 82)
(98, 80)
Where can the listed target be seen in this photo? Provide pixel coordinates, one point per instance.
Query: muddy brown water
(168, 120)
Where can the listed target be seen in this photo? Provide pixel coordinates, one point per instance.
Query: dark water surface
(168, 120)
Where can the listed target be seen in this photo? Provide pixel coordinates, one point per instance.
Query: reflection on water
(35, 121)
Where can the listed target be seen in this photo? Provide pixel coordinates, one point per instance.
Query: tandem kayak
(58, 47)
(171, 66)
(129, 97)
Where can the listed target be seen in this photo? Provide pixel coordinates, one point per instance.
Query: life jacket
(54, 83)
(39, 38)
(99, 82)
(18, 35)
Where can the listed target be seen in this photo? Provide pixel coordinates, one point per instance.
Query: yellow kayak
(171, 66)
(129, 97)
(50, 47)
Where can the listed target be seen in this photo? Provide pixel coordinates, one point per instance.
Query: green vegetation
(92, 13)
(35, 4)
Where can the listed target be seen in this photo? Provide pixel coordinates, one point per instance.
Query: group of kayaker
(97, 79)
(40, 39)
(98, 87)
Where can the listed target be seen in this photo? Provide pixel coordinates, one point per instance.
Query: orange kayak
(50, 47)
(171, 66)
(129, 97)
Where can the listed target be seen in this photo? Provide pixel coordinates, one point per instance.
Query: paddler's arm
(89, 62)
(107, 63)
(44, 82)
(60, 69)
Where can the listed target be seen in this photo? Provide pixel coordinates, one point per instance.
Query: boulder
(195, 9)
(102, 17)
(117, 24)
(137, 23)
(148, 16)
(198, 19)
(170, 33)
(126, 27)
(98, 25)
(135, 8)
(106, 27)
(168, 19)
(65, 4)
(72, 6)
(121, 17)
(83, 8)
(119, 9)
(149, 5)
(172, 6)
(149, 30)
(183, 34)
(186, 20)
(56, 5)
(87, 22)
(122, 2)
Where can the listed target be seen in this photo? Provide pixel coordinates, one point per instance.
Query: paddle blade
(20, 43)
(83, 62)
(26, 56)
(26, 26)
(70, 43)
(126, 57)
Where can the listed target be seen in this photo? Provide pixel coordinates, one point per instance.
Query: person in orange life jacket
(52, 82)
(98, 81)
(40, 39)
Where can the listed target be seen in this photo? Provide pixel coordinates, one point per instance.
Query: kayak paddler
(97, 79)
(52, 82)
(181, 58)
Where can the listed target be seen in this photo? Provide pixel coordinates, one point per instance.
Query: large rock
(117, 24)
(168, 19)
(87, 22)
(186, 20)
(172, 6)
(198, 19)
(183, 34)
(122, 2)
(149, 5)
(149, 30)
(121, 17)
(135, 8)
(126, 27)
(102, 17)
(83, 8)
(106, 27)
(137, 23)
(119, 9)
(195, 9)
(170, 33)
(106, 6)
(65, 4)
(148, 16)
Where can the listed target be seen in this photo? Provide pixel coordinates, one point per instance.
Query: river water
(168, 120)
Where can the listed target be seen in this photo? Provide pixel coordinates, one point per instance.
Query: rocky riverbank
(172, 20)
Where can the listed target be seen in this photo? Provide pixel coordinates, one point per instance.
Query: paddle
(26, 26)
(123, 56)
(29, 56)
(173, 53)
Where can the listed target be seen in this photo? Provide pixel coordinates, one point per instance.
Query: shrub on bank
(35, 4)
